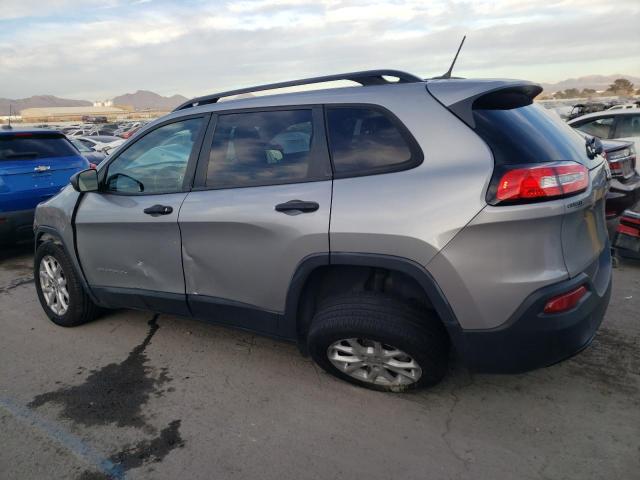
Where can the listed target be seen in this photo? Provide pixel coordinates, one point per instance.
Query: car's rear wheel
(59, 290)
(379, 342)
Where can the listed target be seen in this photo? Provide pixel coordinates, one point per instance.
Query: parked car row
(123, 130)
(580, 109)
(101, 143)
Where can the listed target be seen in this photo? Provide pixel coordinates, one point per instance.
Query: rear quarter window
(367, 140)
(528, 134)
(36, 146)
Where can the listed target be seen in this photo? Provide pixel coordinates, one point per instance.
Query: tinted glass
(35, 146)
(364, 140)
(528, 135)
(157, 162)
(600, 127)
(628, 126)
(262, 148)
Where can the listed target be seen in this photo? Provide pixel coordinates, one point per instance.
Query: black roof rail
(364, 78)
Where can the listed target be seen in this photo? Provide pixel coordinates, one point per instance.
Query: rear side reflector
(566, 301)
(541, 182)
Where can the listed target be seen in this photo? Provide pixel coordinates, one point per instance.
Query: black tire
(81, 309)
(384, 319)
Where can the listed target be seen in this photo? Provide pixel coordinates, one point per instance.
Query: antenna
(8, 127)
(448, 74)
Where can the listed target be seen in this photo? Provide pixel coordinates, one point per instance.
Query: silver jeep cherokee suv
(378, 226)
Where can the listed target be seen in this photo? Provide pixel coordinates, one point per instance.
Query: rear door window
(366, 140)
(265, 148)
(600, 127)
(33, 146)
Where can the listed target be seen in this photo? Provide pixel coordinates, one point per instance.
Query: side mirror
(85, 181)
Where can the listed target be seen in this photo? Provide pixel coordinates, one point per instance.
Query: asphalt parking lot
(137, 396)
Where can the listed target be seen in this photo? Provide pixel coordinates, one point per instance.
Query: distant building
(103, 103)
(62, 114)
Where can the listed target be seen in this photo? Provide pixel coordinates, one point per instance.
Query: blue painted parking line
(68, 440)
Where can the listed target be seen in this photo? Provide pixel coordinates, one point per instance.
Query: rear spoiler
(461, 96)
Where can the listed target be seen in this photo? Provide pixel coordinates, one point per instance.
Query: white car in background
(102, 143)
(619, 124)
(79, 132)
(624, 106)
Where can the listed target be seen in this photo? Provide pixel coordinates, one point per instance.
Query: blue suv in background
(34, 166)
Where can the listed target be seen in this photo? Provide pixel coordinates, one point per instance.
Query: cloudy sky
(98, 49)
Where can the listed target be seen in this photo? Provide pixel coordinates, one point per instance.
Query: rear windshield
(17, 147)
(528, 135)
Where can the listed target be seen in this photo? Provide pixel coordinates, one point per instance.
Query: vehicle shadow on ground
(12, 251)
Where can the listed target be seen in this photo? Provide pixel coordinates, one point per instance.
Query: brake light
(542, 182)
(566, 301)
(93, 166)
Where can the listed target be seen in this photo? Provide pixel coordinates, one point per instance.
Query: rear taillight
(616, 168)
(566, 301)
(93, 166)
(520, 184)
(617, 158)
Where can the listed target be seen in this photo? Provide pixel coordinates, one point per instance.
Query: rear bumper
(627, 236)
(622, 195)
(16, 226)
(532, 339)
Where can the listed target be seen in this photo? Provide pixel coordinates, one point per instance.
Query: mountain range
(140, 100)
(38, 101)
(144, 99)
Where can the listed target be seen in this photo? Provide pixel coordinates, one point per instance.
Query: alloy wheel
(54, 285)
(374, 362)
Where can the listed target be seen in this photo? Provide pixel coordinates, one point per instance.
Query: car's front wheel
(378, 342)
(59, 289)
